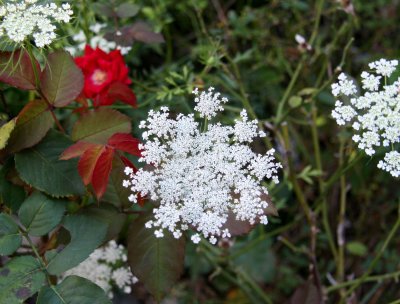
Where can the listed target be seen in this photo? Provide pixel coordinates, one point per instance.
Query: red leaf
(125, 142)
(76, 150)
(120, 91)
(88, 161)
(16, 69)
(102, 171)
(128, 163)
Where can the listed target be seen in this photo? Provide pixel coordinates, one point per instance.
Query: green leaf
(61, 81)
(108, 214)
(157, 262)
(73, 290)
(99, 125)
(86, 233)
(252, 260)
(10, 238)
(126, 10)
(10, 195)
(40, 214)
(20, 278)
(33, 122)
(116, 194)
(356, 248)
(40, 167)
(5, 132)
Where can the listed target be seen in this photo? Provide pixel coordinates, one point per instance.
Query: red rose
(106, 77)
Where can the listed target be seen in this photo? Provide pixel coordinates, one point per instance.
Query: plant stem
(300, 65)
(292, 174)
(341, 224)
(375, 278)
(378, 256)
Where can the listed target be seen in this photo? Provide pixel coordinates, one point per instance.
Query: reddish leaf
(125, 142)
(33, 123)
(61, 81)
(122, 92)
(128, 163)
(16, 69)
(76, 150)
(141, 31)
(88, 162)
(99, 125)
(102, 171)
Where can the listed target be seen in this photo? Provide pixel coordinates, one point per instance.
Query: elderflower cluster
(96, 41)
(374, 114)
(20, 19)
(106, 268)
(200, 178)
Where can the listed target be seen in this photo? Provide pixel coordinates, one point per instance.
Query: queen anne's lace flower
(199, 178)
(208, 103)
(106, 268)
(23, 18)
(375, 115)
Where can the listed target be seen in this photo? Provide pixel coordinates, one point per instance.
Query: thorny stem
(371, 267)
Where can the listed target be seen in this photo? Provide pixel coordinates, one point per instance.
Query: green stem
(378, 256)
(292, 175)
(300, 65)
(342, 214)
(375, 278)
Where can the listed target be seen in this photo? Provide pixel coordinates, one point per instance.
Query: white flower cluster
(373, 115)
(106, 268)
(201, 178)
(96, 41)
(23, 18)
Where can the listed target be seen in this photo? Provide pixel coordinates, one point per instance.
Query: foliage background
(247, 50)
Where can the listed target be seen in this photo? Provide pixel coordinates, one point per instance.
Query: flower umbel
(105, 267)
(200, 178)
(24, 18)
(375, 114)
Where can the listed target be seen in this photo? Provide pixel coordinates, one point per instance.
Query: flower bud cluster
(106, 267)
(20, 19)
(373, 114)
(200, 178)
